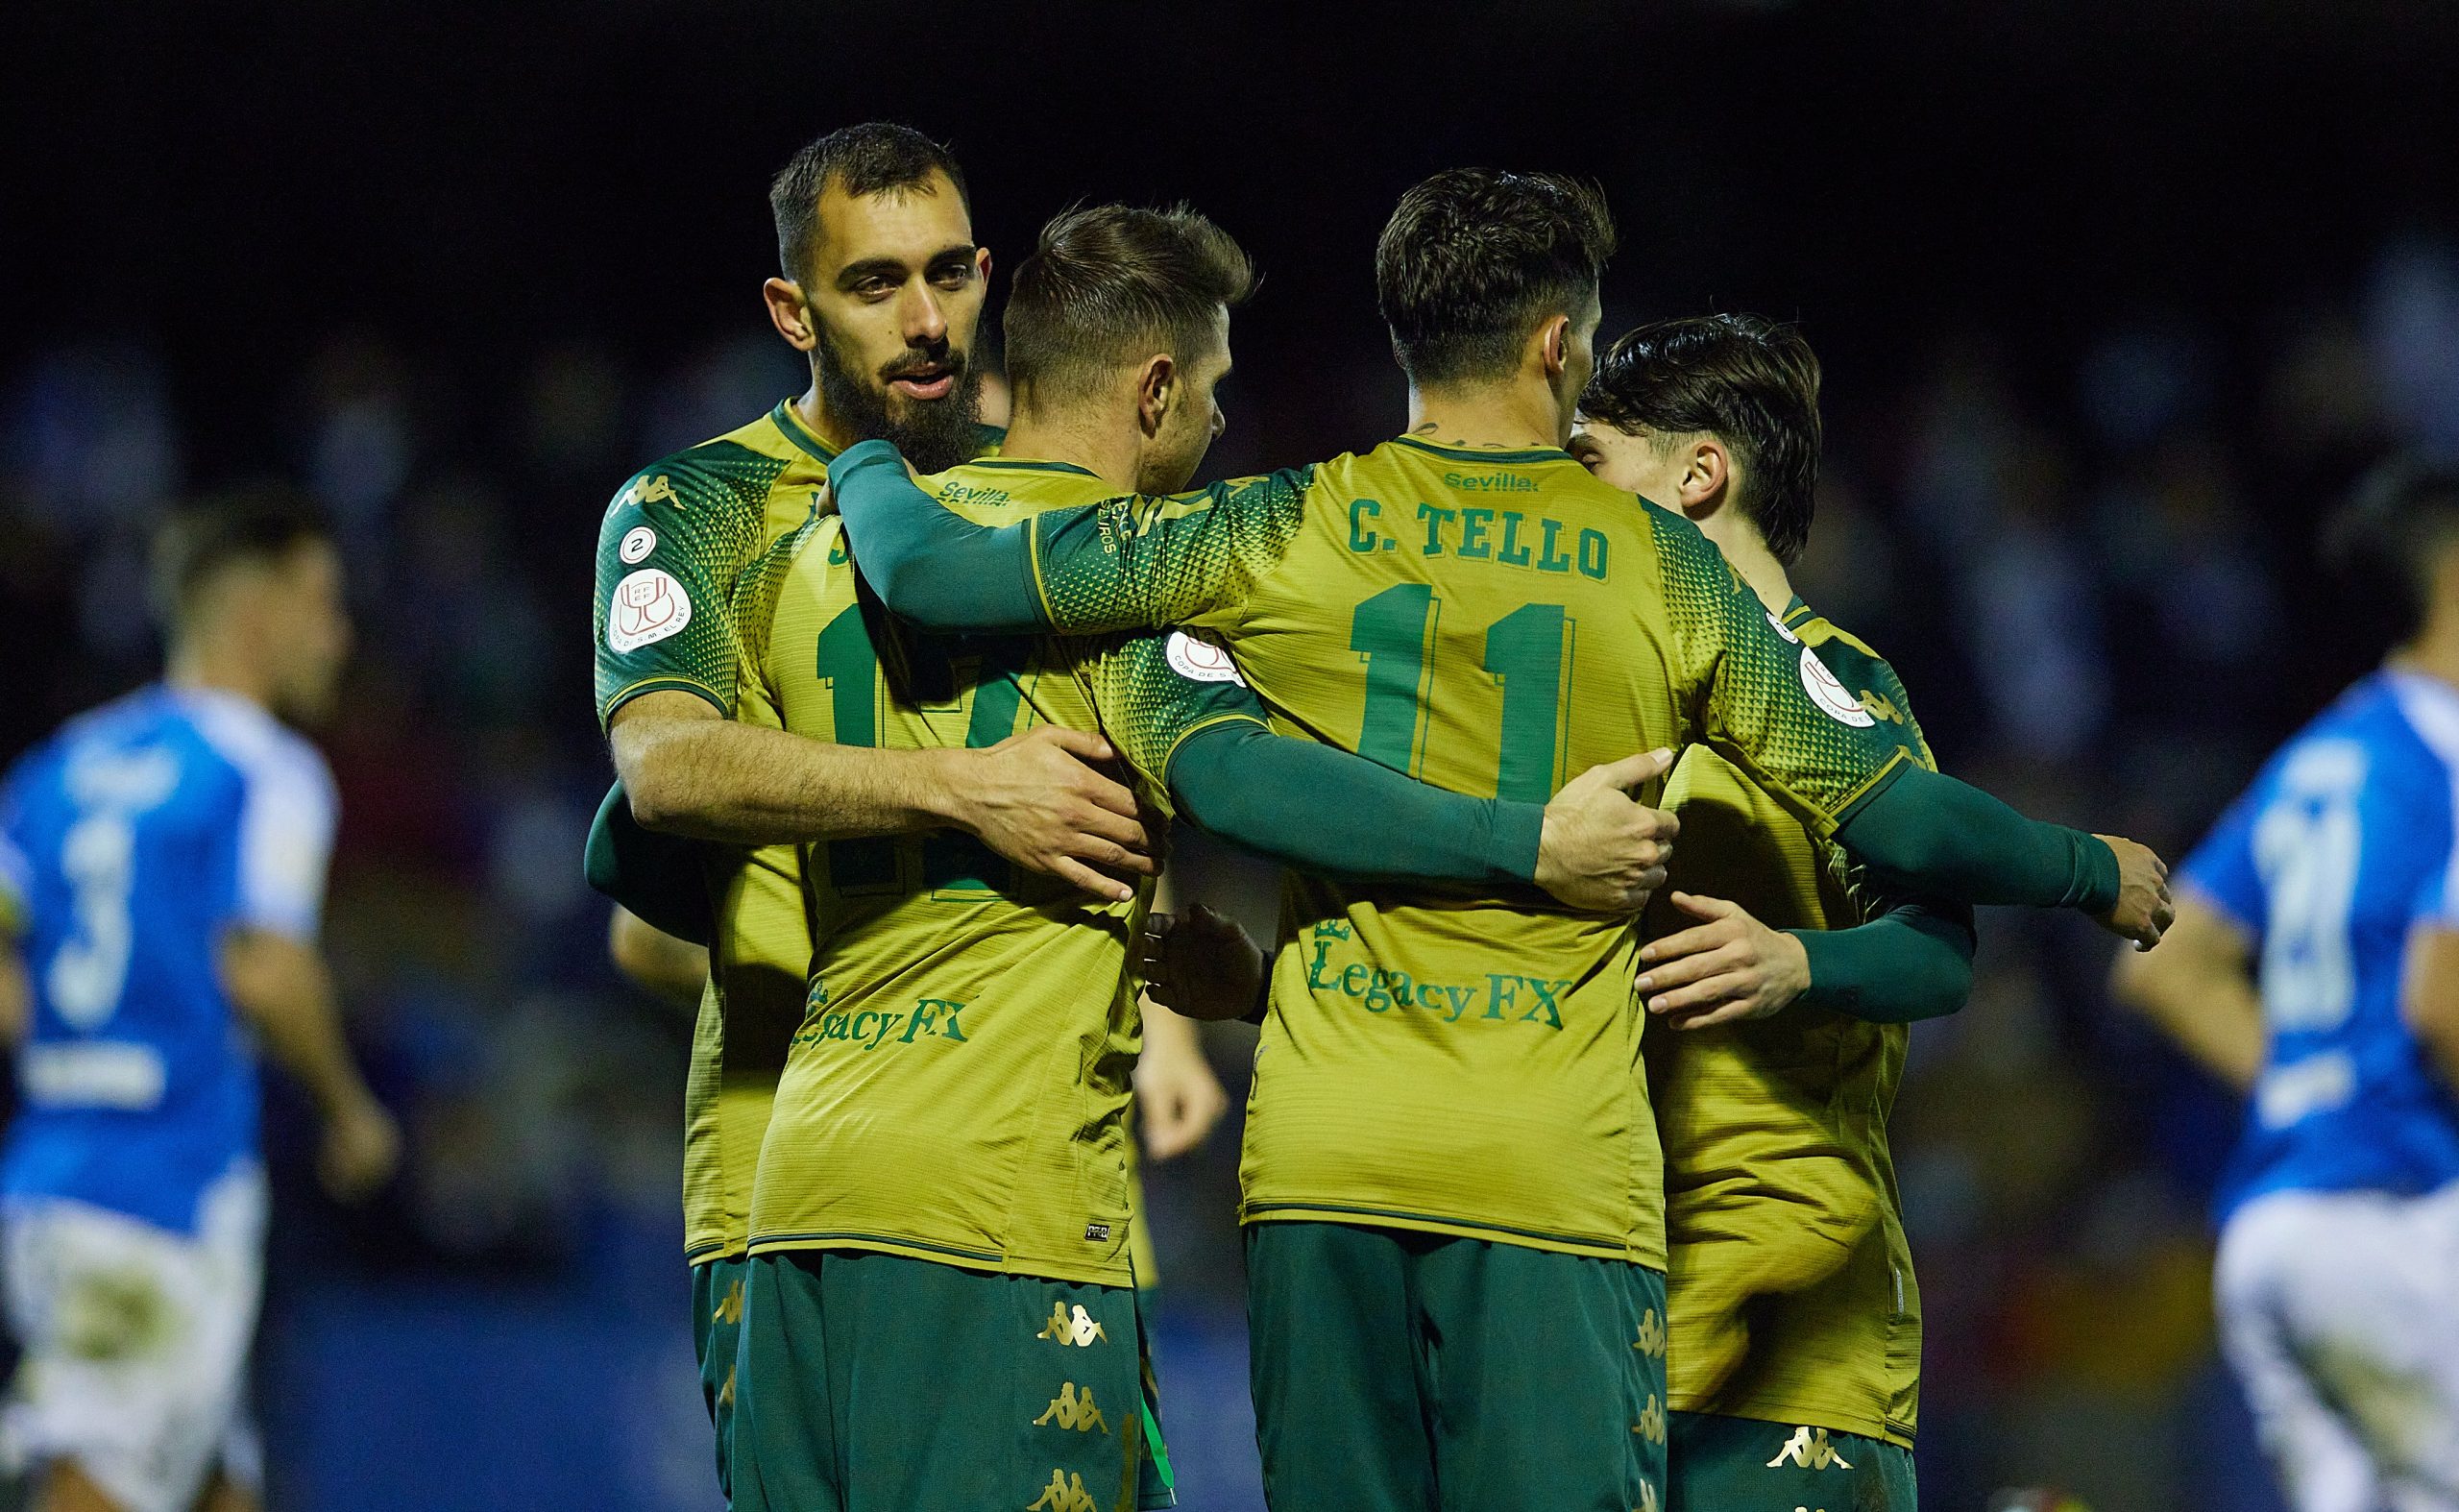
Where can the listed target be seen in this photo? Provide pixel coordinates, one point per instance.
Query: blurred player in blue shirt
(2315, 964)
(161, 874)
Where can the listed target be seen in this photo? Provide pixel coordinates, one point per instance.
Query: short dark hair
(1473, 259)
(873, 158)
(1749, 381)
(259, 525)
(2390, 538)
(1108, 284)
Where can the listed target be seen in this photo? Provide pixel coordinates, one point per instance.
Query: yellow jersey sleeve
(1760, 697)
(1143, 562)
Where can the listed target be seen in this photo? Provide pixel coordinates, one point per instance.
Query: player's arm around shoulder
(688, 766)
(1132, 562)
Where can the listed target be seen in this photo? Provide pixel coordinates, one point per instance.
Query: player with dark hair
(1453, 1183)
(161, 879)
(943, 1190)
(880, 283)
(1794, 1321)
(2315, 969)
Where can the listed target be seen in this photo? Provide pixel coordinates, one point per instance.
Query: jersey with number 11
(2347, 842)
(1494, 623)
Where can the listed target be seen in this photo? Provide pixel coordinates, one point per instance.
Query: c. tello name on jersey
(1479, 533)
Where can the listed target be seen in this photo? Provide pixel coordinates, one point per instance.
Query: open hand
(1725, 968)
(1202, 965)
(1040, 800)
(1603, 851)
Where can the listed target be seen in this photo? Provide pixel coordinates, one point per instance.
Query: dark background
(2116, 302)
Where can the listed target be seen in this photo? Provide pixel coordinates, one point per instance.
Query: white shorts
(135, 1342)
(2340, 1314)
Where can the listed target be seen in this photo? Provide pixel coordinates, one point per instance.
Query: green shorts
(716, 1322)
(1724, 1464)
(876, 1383)
(1399, 1372)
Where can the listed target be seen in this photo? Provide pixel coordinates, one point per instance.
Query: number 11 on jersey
(1524, 652)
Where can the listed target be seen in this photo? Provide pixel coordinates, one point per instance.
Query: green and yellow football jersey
(670, 552)
(1791, 1284)
(957, 1088)
(1492, 621)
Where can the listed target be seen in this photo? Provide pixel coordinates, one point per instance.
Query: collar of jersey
(1798, 612)
(1470, 455)
(788, 421)
(1021, 464)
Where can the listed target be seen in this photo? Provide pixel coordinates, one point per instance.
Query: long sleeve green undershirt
(1287, 799)
(1928, 834)
(1912, 962)
(1323, 810)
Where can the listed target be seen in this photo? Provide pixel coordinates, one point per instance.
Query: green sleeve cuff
(1910, 964)
(927, 563)
(1928, 834)
(1323, 810)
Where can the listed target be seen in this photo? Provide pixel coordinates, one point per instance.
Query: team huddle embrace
(1615, 874)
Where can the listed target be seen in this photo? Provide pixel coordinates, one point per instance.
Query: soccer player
(944, 1192)
(1794, 1321)
(2315, 967)
(1452, 1184)
(161, 874)
(881, 285)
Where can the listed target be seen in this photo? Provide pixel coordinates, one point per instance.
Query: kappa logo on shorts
(1808, 1448)
(729, 1309)
(1651, 1426)
(1073, 1410)
(725, 1392)
(1647, 1499)
(1079, 1331)
(1066, 1493)
(648, 606)
(1652, 1339)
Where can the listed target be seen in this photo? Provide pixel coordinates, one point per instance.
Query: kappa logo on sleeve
(1830, 694)
(1200, 660)
(648, 606)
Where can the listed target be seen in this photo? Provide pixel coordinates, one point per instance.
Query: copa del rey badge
(648, 606)
(1831, 698)
(1201, 661)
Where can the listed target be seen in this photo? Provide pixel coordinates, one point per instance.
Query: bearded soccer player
(1795, 1325)
(1453, 1183)
(880, 283)
(942, 1193)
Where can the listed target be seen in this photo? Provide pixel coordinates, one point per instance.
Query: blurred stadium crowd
(2097, 577)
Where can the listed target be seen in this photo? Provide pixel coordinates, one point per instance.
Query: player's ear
(1156, 387)
(789, 313)
(1554, 345)
(1704, 480)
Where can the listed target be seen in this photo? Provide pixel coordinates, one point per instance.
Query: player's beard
(934, 434)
